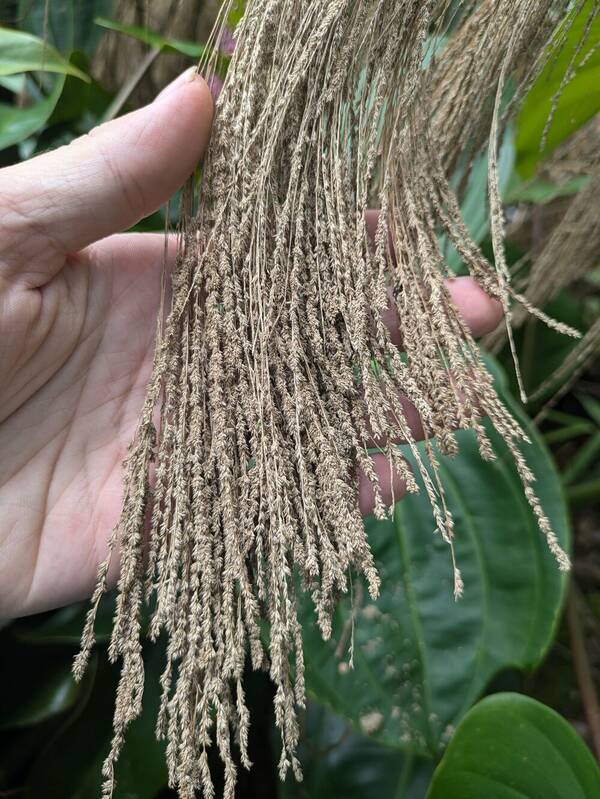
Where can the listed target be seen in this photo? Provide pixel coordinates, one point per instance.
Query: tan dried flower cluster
(274, 369)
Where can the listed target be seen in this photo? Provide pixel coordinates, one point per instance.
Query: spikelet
(274, 354)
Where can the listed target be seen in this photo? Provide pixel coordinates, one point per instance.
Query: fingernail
(186, 77)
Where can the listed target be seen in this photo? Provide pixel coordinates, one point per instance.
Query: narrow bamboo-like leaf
(22, 52)
(17, 124)
(153, 39)
(511, 747)
(578, 101)
(422, 659)
(237, 12)
(540, 191)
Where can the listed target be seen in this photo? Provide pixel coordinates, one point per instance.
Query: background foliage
(410, 720)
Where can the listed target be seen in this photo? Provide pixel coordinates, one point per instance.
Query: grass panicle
(273, 354)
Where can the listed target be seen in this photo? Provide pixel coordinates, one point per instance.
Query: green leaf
(475, 205)
(511, 747)
(238, 10)
(82, 104)
(540, 191)
(18, 124)
(67, 24)
(579, 100)
(591, 405)
(14, 83)
(336, 762)
(71, 765)
(64, 626)
(422, 659)
(153, 39)
(22, 52)
(29, 696)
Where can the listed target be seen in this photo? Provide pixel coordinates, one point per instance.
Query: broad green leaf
(579, 100)
(17, 124)
(29, 696)
(64, 626)
(422, 659)
(67, 24)
(22, 52)
(153, 39)
(71, 765)
(511, 747)
(337, 762)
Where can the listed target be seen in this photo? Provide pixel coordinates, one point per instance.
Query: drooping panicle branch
(274, 372)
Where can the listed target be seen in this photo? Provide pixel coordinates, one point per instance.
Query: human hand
(78, 309)
(77, 318)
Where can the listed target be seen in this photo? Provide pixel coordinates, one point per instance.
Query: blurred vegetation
(523, 635)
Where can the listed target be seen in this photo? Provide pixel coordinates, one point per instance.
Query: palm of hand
(70, 396)
(77, 321)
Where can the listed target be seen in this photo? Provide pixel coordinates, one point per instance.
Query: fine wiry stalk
(274, 369)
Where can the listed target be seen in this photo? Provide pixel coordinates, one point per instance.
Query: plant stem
(125, 92)
(583, 669)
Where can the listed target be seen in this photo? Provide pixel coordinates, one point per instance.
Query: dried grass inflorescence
(274, 354)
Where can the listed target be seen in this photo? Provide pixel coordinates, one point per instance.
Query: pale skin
(78, 307)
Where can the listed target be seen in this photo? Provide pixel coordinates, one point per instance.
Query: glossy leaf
(21, 52)
(337, 762)
(64, 626)
(33, 691)
(14, 83)
(71, 765)
(153, 39)
(511, 747)
(18, 124)
(67, 24)
(578, 101)
(422, 659)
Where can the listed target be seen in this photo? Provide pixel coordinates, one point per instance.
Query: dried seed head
(274, 353)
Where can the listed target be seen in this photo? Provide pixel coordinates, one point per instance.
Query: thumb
(107, 181)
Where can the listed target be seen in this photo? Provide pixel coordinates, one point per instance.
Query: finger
(105, 182)
(405, 410)
(134, 252)
(393, 488)
(481, 313)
